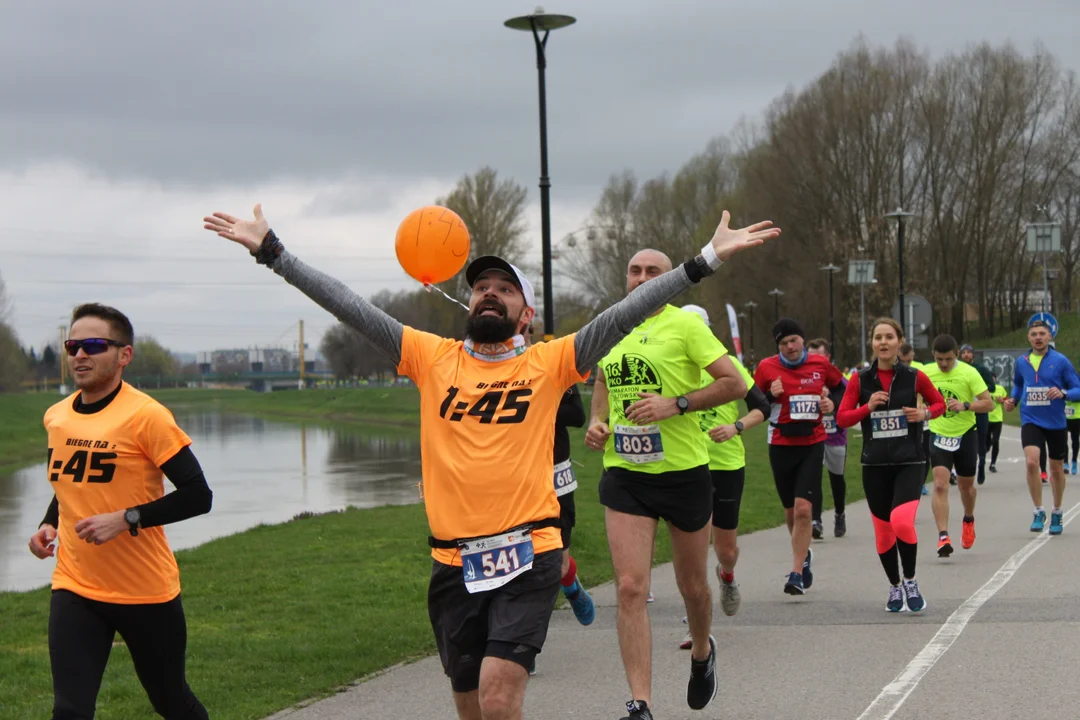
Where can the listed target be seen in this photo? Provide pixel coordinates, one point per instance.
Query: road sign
(918, 315)
(1048, 319)
(1043, 237)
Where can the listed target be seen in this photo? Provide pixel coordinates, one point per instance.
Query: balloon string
(431, 287)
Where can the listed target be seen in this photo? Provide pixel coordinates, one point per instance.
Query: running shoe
(817, 529)
(794, 585)
(967, 536)
(687, 642)
(993, 468)
(701, 689)
(952, 478)
(840, 525)
(1055, 522)
(1043, 476)
(1073, 467)
(730, 597)
(639, 710)
(582, 604)
(807, 573)
(1039, 522)
(1066, 468)
(532, 668)
(915, 600)
(925, 491)
(649, 598)
(944, 546)
(896, 599)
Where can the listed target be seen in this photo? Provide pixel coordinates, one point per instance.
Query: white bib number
(1038, 396)
(565, 480)
(639, 443)
(804, 407)
(491, 562)
(829, 421)
(1070, 411)
(948, 444)
(888, 424)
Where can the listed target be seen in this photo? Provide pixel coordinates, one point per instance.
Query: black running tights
(81, 634)
(892, 493)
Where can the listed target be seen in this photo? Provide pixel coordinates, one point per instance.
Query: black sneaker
(639, 710)
(701, 689)
(840, 525)
(807, 572)
(993, 468)
(816, 529)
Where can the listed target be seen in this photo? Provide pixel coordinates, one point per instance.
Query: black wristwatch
(682, 403)
(738, 427)
(132, 518)
(967, 405)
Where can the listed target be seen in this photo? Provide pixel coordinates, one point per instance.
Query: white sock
(1039, 509)
(1057, 510)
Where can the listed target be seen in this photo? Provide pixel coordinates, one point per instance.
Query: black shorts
(727, 497)
(796, 471)
(681, 497)
(509, 622)
(567, 517)
(1057, 441)
(964, 459)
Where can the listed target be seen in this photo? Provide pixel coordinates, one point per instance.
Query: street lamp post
(776, 293)
(861, 273)
(898, 215)
(535, 23)
(750, 304)
(831, 269)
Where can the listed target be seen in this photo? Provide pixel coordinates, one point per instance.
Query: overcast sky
(123, 123)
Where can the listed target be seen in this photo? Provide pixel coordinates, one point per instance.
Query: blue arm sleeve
(1072, 383)
(1018, 381)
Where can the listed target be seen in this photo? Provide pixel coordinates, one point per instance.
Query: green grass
(22, 436)
(284, 613)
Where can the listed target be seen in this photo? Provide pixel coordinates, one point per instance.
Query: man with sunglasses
(109, 445)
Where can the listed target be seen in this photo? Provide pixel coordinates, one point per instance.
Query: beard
(490, 328)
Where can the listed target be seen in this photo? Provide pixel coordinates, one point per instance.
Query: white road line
(895, 693)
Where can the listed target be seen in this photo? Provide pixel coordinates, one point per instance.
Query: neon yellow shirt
(731, 454)
(998, 413)
(961, 383)
(664, 355)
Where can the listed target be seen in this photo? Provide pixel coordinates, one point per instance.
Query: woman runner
(884, 399)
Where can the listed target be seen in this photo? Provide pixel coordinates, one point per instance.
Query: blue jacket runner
(1055, 370)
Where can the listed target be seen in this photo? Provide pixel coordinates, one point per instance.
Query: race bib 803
(638, 443)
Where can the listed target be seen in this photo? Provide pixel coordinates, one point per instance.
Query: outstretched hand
(726, 241)
(249, 233)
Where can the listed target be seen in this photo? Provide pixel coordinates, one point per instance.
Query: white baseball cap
(700, 311)
(493, 262)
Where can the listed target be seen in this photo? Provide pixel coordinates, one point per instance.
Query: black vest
(899, 450)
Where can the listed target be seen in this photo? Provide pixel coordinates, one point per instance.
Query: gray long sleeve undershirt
(591, 343)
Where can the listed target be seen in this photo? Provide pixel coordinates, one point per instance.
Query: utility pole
(301, 354)
(61, 357)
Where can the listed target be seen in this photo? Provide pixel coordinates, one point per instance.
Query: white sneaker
(730, 597)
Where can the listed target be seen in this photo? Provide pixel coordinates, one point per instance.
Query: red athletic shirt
(851, 413)
(799, 384)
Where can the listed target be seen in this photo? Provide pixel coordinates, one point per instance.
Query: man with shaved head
(656, 466)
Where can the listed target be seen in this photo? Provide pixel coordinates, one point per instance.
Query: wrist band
(270, 249)
(710, 256)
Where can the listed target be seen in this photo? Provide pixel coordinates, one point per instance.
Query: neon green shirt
(998, 413)
(1072, 410)
(731, 454)
(663, 355)
(961, 383)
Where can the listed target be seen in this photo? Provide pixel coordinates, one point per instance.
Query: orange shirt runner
(486, 434)
(108, 461)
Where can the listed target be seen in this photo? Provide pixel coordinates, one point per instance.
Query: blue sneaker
(794, 585)
(581, 602)
(1039, 521)
(807, 573)
(1073, 467)
(1055, 522)
(927, 492)
(915, 600)
(896, 599)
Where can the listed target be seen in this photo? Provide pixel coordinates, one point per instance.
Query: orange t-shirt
(486, 433)
(108, 461)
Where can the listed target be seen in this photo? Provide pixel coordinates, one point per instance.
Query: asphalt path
(998, 638)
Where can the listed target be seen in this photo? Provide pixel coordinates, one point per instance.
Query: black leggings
(892, 494)
(839, 492)
(81, 634)
(995, 441)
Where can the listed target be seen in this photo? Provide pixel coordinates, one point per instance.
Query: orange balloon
(432, 244)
